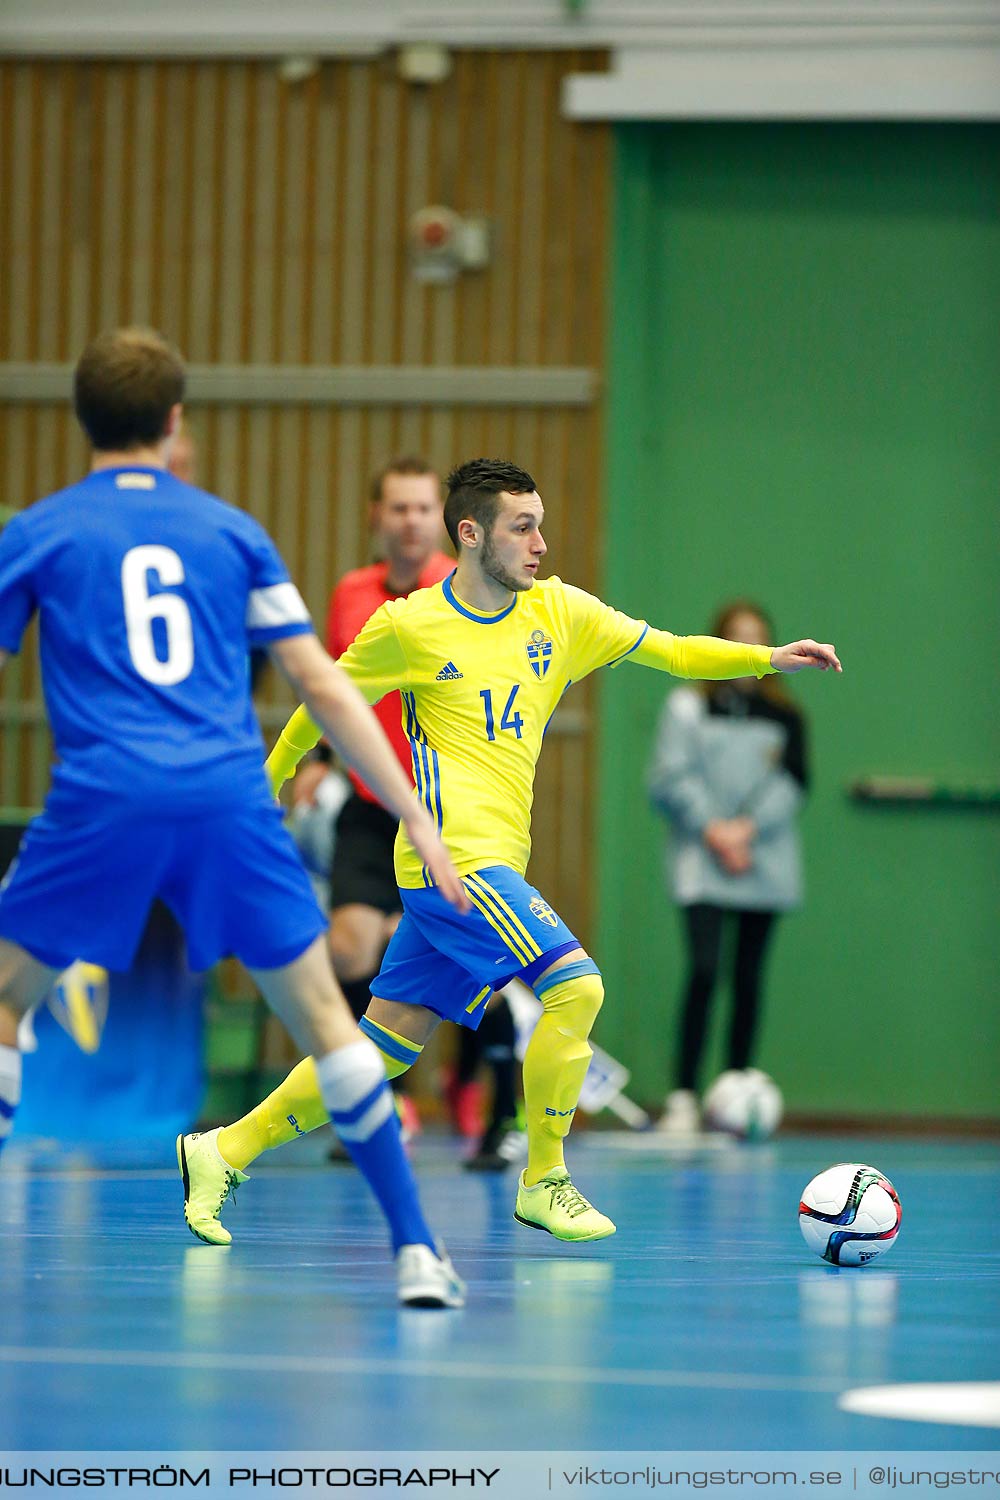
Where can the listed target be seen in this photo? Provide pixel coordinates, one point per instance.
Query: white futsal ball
(850, 1214)
(745, 1103)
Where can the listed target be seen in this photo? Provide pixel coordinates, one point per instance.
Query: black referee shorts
(362, 871)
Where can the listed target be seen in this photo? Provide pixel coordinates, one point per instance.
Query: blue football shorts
(82, 887)
(452, 963)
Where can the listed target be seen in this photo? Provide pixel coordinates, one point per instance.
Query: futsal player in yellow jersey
(482, 660)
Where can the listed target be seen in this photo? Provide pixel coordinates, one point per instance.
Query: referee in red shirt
(407, 523)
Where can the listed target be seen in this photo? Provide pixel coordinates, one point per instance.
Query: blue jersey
(150, 594)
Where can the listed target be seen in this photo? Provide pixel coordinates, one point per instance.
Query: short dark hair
(125, 384)
(474, 488)
(409, 463)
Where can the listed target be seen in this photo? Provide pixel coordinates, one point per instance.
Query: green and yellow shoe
(208, 1182)
(555, 1206)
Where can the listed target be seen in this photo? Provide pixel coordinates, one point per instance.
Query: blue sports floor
(704, 1324)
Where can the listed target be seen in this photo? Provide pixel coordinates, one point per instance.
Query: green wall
(805, 407)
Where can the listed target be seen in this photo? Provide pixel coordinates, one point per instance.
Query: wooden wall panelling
(258, 219)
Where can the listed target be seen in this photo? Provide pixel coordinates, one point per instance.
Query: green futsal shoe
(555, 1206)
(208, 1182)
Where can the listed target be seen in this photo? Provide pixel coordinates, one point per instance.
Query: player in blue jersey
(150, 594)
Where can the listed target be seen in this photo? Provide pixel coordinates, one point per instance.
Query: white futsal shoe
(424, 1279)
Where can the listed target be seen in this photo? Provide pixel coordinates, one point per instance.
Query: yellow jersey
(478, 690)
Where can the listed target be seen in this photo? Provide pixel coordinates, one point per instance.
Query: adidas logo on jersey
(449, 673)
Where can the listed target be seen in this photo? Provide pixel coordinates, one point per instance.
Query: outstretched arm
(708, 659)
(702, 658)
(335, 706)
(802, 654)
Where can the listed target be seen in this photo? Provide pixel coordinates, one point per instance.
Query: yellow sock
(295, 1108)
(397, 1052)
(555, 1065)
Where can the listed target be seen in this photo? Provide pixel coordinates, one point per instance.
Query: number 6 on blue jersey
(142, 608)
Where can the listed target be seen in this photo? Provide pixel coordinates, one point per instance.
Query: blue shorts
(82, 888)
(451, 964)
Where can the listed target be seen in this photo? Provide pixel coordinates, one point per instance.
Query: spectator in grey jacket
(729, 775)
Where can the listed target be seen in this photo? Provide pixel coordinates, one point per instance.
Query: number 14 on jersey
(509, 719)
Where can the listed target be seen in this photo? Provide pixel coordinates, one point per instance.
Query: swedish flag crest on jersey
(539, 649)
(476, 735)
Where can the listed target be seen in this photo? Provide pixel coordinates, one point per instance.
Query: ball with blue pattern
(850, 1214)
